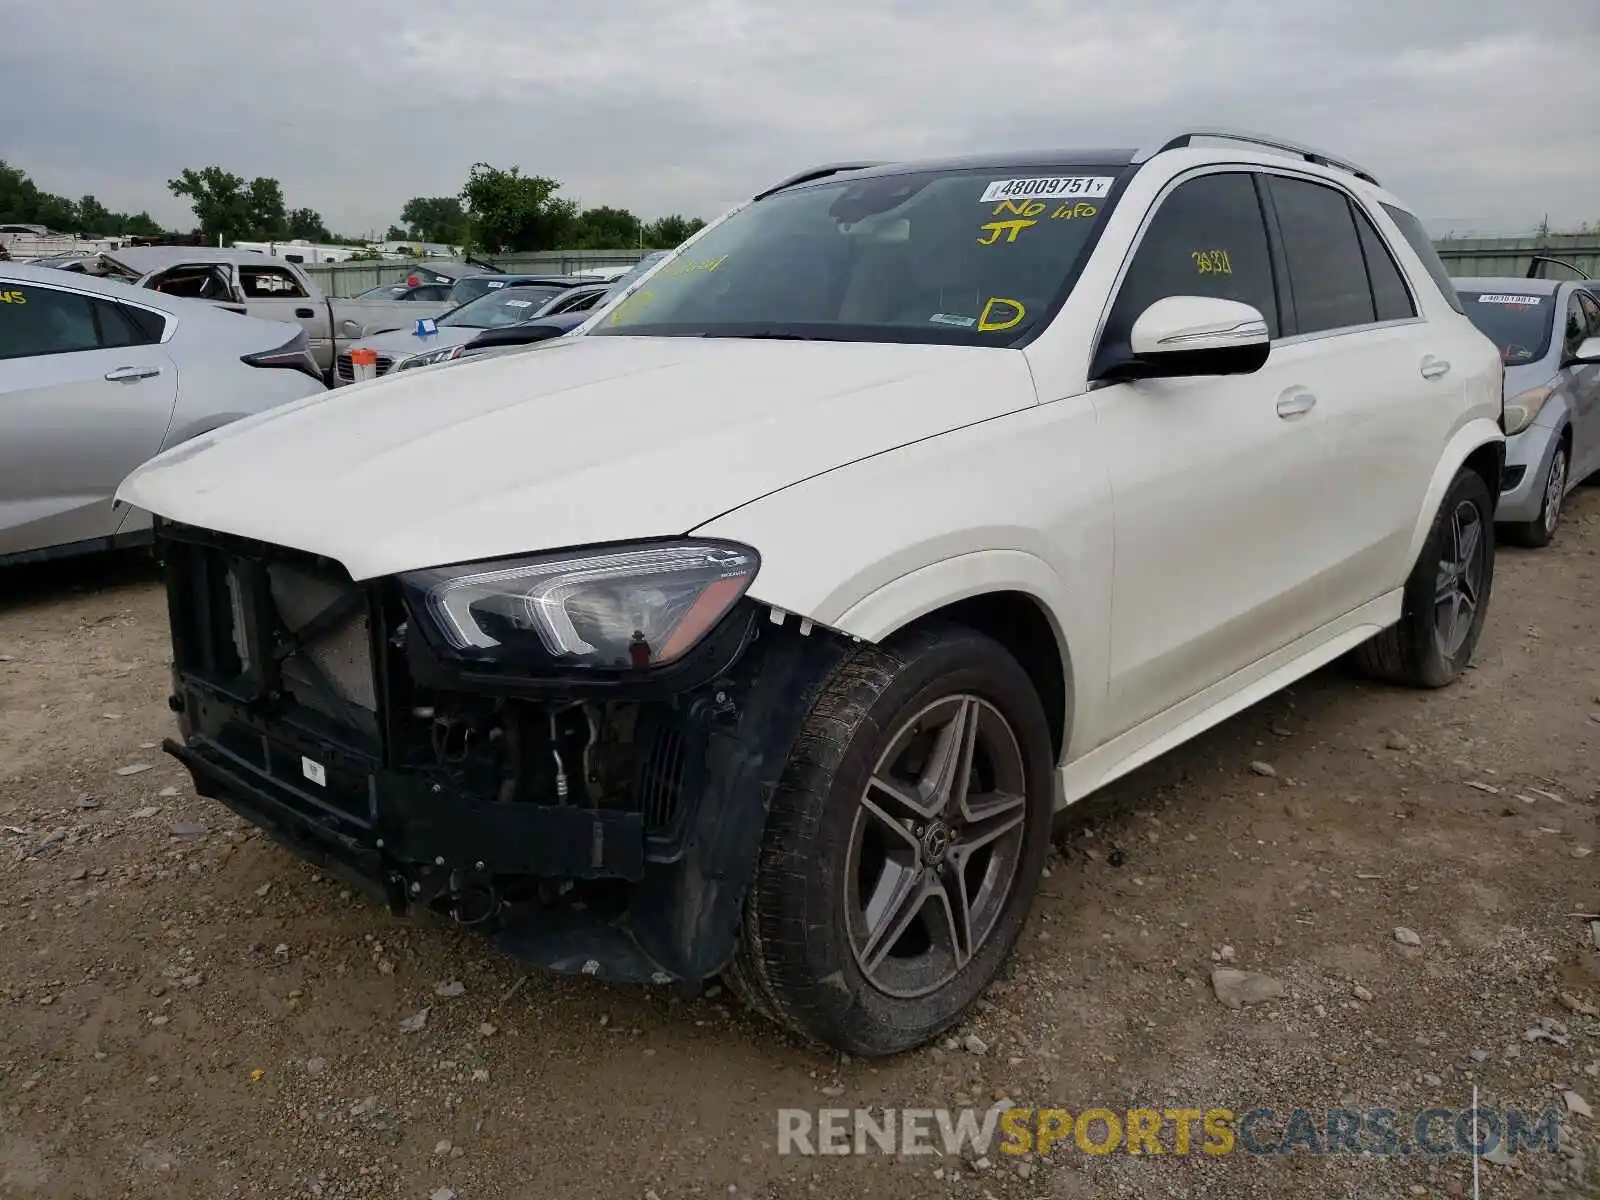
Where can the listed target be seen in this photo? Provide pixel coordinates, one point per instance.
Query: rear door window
(40, 320)
(1390, 295)
(1327, 278)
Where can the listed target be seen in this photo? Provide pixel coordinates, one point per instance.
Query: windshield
(1519, 324)
(966, 257)
(384, 291)
(507, 306)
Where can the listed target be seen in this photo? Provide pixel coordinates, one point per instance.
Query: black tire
(1542, 529)
(797, 963)
(1410, 652)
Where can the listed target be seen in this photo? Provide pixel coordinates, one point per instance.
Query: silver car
(96, 377)
(1548, 333)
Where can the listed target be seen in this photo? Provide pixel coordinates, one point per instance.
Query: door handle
(131, 374)
(304, 312)
(1434, 368)
(1295, 402)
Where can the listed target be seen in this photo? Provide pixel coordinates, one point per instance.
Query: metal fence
(1462, 257)
(1512, 256)
(352, 278)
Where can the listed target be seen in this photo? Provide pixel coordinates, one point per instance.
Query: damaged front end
(604, 822)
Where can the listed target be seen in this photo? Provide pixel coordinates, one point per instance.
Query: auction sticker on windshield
(1046, 188)
(1491, 299)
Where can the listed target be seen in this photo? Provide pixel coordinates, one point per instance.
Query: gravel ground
(187, 1011)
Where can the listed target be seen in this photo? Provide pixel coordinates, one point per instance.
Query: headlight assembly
(1522, 408)
(428, 357)
(610, 608)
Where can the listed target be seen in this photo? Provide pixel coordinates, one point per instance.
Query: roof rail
(811, 173)
(1188, 137)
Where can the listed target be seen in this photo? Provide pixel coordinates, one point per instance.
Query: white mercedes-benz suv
(760, 627)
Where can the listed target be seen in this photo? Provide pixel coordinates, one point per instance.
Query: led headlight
(614, 607)
(428, 357)
(1522, 408)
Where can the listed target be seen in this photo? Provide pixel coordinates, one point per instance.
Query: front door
(1216, 481)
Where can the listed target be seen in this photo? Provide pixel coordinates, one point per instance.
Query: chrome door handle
(1434, 368)
(1295, 402)
(131, 374)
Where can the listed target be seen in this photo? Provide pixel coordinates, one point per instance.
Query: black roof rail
(811, 173)
(1188, 137)
(1535, 267)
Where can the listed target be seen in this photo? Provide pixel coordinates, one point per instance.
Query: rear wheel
(1446, 597)
(1540, 530)
(903, 847)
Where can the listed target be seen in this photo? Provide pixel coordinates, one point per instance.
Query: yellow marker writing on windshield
(12, 298)
(1009, 228)
(636, 301)
(986, 325)
(1069, 210)
(1019, 208)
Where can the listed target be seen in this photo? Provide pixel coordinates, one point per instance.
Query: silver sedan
(1548, 334)
(96, 377)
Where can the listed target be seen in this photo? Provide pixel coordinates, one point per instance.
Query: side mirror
(1196, 335)
(1588, 351)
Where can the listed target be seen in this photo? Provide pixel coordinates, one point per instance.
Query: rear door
(86, 394)
(1386, 386)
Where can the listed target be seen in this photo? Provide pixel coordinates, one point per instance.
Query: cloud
(1478, 114)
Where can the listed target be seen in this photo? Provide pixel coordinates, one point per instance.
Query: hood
(401, 343)
(587, 440)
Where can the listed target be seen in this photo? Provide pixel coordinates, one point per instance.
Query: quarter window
(1417, 238)
(1327, 279)
(1208, 238)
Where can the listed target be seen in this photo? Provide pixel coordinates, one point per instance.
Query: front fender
(1471, 437)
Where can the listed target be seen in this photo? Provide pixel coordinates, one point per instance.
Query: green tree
(269, 222)
(395, 234)
(141, 224)
(605, 228)
(510, 211)
(433, 219)
(670, 232)
(220, 201)
(307, 223)
(94, 217)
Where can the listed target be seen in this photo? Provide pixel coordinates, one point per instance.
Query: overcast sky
(1482, 113)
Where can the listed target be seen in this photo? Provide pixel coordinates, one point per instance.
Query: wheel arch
(1009, 595)
(1478, 446)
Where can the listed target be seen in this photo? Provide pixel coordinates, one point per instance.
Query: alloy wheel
(1555, 490)
(936, 845)
(1460, 579)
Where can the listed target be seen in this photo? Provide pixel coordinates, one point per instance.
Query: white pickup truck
(259, 285)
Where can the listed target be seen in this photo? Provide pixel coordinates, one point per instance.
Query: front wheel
(1446, 597)
(1539, 531)
(903, 846)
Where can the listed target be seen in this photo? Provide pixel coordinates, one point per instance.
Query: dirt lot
(187, 1011)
